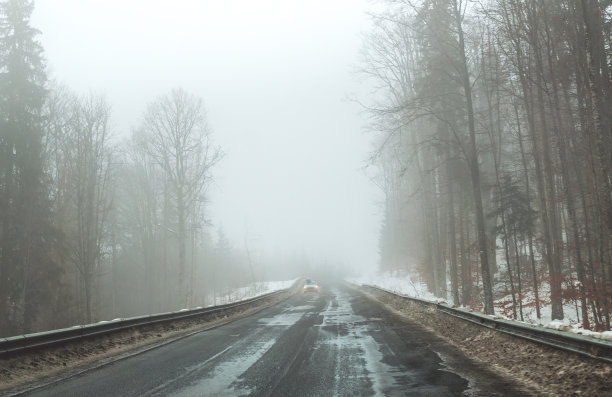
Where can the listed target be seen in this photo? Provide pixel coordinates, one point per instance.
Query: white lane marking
(285, 319)
(189, 370)
(302, 308)
(247, 353)
(227, 372)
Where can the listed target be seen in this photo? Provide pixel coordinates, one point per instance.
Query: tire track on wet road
(333, 343)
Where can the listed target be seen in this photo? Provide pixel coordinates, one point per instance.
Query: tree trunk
(452, 236)
(182, 245)
(601, 126)
(474, 169)
(466, 273)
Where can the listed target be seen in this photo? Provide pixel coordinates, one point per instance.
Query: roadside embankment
(545, 368)
(24, 370)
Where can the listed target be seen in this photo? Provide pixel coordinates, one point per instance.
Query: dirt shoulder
(540, 367)
(40, 367)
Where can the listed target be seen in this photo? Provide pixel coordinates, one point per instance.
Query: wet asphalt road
(334, 343)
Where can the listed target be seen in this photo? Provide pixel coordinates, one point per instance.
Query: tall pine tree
(27, 272)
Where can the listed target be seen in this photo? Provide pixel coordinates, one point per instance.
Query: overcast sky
(274, 75)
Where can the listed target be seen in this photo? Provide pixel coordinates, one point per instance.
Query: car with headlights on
(310, 286)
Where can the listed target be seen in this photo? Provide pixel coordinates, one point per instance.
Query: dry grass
(544, 368)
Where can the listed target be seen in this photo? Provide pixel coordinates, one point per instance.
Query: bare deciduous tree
(178, 138)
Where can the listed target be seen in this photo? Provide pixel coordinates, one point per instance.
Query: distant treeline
(493, 146)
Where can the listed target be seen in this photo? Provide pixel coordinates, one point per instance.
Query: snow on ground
(401, 284)
(250, 291)
(571, 316)
(572, 320)
(404, 284)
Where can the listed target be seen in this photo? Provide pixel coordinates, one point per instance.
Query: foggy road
(334, 343)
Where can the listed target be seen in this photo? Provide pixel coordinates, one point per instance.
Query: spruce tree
(26, 232)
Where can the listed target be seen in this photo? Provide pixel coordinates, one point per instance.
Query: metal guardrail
(581, 344)
(21, 343)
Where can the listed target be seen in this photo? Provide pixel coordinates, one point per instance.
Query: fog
(274, 76)
(163, 154)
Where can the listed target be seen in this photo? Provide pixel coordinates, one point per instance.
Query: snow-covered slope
(406, 285)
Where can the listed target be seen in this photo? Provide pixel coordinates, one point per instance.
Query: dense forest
(492, 134)
(96, 223)
(493, 137)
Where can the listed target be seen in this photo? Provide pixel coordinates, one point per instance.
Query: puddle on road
(356, 349)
